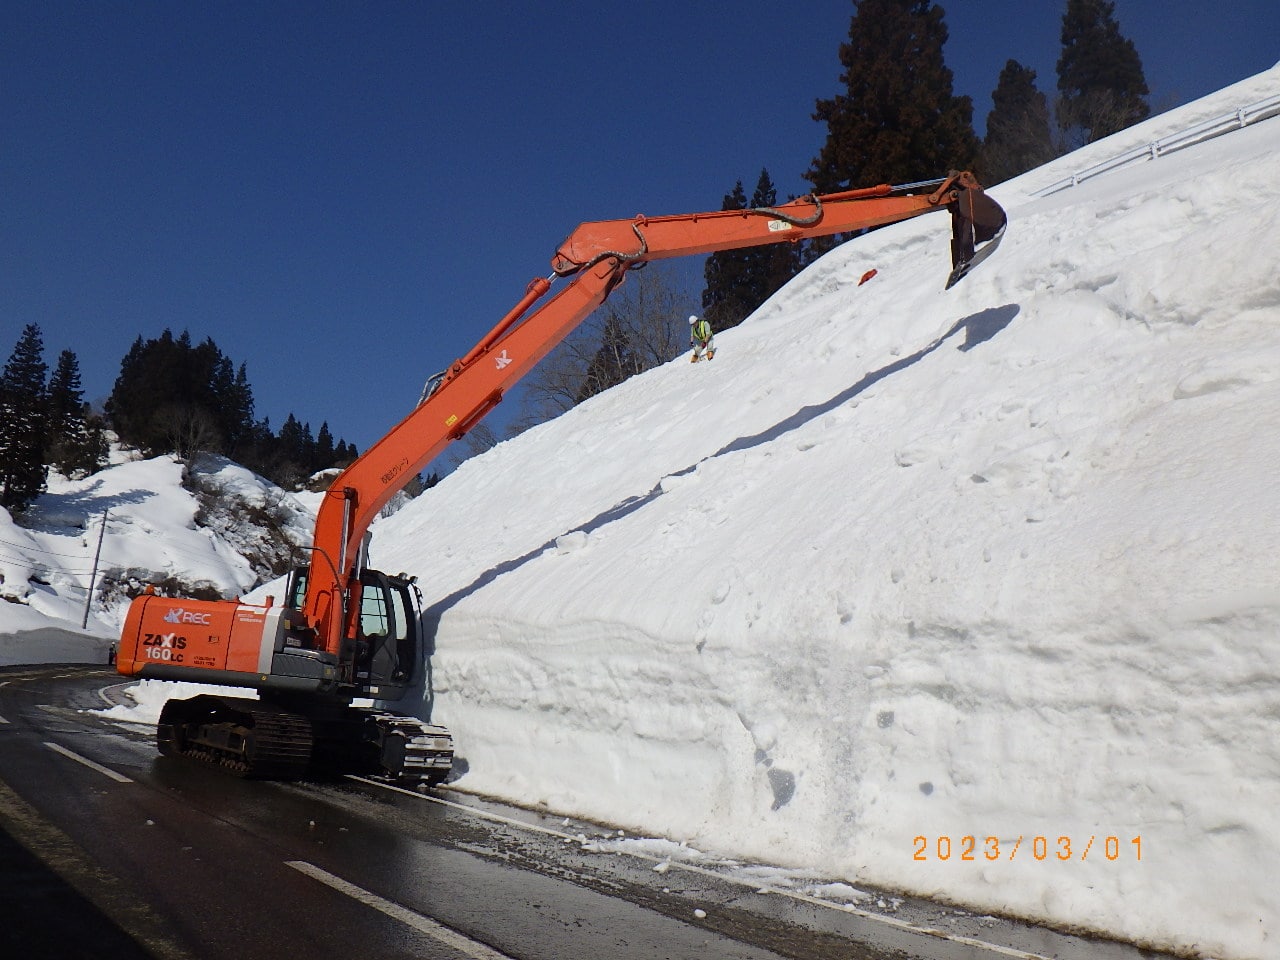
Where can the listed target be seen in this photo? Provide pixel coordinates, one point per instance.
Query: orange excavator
(344, 632)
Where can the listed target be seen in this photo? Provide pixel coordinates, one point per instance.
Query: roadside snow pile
(971, 595)
(147, 698)
(27, 638)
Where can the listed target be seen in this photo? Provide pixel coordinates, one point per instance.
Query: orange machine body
(214, 641)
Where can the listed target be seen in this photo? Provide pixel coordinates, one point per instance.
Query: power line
(27, 560)
(52, 553)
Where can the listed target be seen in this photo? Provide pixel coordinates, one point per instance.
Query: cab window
(375, 618)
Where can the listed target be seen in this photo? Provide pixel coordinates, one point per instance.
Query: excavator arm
(596, 258)
(975, 218)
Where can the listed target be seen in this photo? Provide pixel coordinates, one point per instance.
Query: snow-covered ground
(151, 533)
(907, 567)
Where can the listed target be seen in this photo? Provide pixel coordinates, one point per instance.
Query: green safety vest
(702, 331)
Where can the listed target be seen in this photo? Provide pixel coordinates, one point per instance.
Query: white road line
(450, 938)
(117, 777)
(727, 878)
(499, 818)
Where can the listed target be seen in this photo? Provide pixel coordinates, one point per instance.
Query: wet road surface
(109, 850)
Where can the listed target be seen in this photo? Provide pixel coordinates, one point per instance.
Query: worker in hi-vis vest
(700, 339)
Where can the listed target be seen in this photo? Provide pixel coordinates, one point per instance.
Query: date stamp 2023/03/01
(972, 848)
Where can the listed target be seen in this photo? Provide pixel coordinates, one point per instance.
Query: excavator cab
(387, 648)
(382, 658)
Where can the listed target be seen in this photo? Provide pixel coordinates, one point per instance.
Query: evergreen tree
(76, 444)
(223, 394)
(173, 397)
(725, 299)
(287, 463)
(22, 425)
(291, 442)
(1018, 135)
(1101, 85)
(738, 281)
(238, 412)
(65, 400)
(308, 448)
(896, 120)
(292, 456)
(769, 266)
(258, 450)
(125, 407)
(91, 455)
(325, 454)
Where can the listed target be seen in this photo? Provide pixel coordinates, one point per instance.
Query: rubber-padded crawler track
(247, 738)
(270, 741)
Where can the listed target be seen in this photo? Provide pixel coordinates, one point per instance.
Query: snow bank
(906, 567)
(147, 698)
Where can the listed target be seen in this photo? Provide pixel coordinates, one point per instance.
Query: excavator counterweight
(345, 631)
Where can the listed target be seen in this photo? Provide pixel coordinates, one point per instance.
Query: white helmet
(694, 318)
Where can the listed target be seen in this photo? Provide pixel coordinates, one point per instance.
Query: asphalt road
(109, 850)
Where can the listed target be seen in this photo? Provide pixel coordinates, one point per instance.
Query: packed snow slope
(998, 562)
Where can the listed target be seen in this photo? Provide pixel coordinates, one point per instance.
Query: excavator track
(383, 746)
(412, 751)
(246, 738)
(262, 740)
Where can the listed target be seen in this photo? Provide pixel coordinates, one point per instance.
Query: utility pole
(94, 575)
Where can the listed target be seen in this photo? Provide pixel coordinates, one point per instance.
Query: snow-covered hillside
(155, 529)
(903, 566)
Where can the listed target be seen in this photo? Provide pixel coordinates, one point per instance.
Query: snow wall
(1001, 562)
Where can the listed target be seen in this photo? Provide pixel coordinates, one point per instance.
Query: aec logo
(178, 615)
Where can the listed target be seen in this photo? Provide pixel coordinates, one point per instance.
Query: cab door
(387, 641)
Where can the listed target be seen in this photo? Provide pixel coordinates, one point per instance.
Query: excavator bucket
(975, 219)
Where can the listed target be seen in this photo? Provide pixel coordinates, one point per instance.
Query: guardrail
(1206, 130)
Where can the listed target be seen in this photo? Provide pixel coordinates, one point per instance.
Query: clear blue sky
(346, 196)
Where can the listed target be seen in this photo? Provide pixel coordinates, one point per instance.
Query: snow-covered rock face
(998, 562)
(155, 530)
(16, 560)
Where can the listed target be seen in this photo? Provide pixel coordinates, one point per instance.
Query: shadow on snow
(978, 329)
